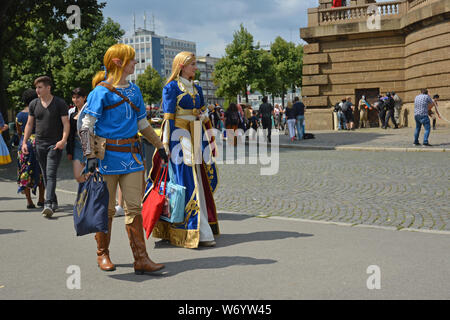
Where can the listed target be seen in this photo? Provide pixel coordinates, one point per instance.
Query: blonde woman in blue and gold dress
(185, 113)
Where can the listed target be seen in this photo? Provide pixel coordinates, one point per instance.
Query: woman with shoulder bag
(116, 111)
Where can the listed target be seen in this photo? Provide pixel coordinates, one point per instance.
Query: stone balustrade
(360, 12)
(356, 13)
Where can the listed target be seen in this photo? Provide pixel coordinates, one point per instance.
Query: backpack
(337, 107)
(234, 118)
(344, 107)
(309, 136)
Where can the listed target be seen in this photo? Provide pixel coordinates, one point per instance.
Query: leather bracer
(152, 137)
(93, 146)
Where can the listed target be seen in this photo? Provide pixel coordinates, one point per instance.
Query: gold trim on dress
(169, 116)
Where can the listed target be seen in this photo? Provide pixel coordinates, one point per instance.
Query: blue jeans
(425, 121)
(342, 121)
(49, 160)
(300, 127)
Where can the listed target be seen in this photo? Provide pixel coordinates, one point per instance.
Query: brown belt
(122, 149)
(121, 142)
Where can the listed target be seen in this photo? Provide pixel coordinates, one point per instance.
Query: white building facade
(206, 67)
(156, 51)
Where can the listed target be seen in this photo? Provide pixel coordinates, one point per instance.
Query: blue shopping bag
(175, 195)
(90, 211)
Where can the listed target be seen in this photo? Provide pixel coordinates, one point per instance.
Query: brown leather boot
(103, 240)
(142, 262)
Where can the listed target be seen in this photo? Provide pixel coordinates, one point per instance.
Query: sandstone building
(403, 46)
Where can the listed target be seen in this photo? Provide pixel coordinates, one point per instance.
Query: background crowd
(291, 119)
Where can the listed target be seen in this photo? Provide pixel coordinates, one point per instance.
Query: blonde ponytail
(99, 77)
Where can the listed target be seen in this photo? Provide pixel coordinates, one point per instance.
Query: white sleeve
(88, 122)
(143, 124)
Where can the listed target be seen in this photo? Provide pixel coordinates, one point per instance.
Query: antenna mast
(145, 21)
(153, 16)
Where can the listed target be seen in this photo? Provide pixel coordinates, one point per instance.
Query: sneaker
(427, 145)
(47, 212)
(417, 144)
(40, 204)
(119, 211)
(54, 206)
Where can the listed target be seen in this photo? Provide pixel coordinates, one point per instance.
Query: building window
(131, 40)
(126, 41)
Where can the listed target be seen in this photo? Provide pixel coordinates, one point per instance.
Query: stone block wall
(410, 52)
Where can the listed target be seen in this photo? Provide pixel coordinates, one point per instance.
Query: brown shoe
(103, 240)
(207, 244)
(142, 262)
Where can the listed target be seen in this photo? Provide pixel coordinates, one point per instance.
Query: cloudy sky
(211, 23)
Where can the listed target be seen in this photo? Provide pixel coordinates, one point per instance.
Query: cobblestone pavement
(375, 139)
(394, 189)
(401, 190)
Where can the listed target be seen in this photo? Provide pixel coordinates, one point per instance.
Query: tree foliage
(151, 85)
(83, 58)
(23, 25)
(288, 64)
(240, 66)
(270, 72)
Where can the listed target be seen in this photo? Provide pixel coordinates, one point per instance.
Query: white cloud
(211, 23)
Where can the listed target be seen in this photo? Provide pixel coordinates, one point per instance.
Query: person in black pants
(266, 112)
(381, 110)
(390, 107)
(52, 133)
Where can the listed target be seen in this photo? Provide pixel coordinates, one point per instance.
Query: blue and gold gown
(184, 114)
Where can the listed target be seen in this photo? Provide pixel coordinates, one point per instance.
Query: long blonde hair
(120, 51)
(182, 59)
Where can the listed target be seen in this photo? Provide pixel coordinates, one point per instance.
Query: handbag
(173, 210)
(153, 204)
(90, 211)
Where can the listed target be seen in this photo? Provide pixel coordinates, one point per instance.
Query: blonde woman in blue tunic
(185, 118)
(115, 111)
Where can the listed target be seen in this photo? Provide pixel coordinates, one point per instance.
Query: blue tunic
(117, 123)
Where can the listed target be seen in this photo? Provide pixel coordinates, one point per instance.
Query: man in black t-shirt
(52, 132)
(266, 113)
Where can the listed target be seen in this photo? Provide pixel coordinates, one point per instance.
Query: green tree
(151, 85)
(16, 22)
(83, 58)
(299, 59)
(198, 75)
(288, 65)
(40, 54)
(266, 81)
(239, 67)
